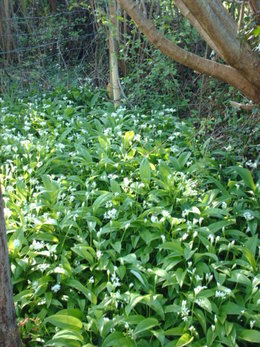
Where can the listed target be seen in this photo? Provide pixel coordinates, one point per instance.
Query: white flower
(220, 294)
(56, 288)
(199, 289)
(211, 238)
(154, 219)
(91, 280)
(163, 238)
(137, 137)
(37, 245)
(126, 181)
(252, 323)
(184, 310)
(248, 215)
(165, 213)
(7, 212)
(184, 236)
(111, 214)
(16, 243)
(99, 254)
(224, 205)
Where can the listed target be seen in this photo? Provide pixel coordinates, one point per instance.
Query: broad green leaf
(204, 303)
(141, 278)
(68, 335)
(112, 339)
(201, 318)
(252, 336)
(250, 257)
(64, 322)
(184, 340)
(46, 237)
(82, 251)
(214, 227)
(94, 99)
(145, 171)
(246, 176)
(128, 137)
(183, 158)
(173, 246)
(101, 200)
(135, 299)
(232, 309)
(115, 187)
(180, 276)
(178, 331)
(84, 290)
(146, 324)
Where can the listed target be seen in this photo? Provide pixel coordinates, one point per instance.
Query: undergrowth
(125, 229)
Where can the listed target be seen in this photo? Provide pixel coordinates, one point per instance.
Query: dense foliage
(124, 228)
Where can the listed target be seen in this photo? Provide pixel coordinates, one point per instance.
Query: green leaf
(184, 340)
(146, 324)
(250, 257)
(201, 318)
(173, 246)
(115, 187)
(214, 227)
(68, 335)
(101, 200)
(141, 278)
(128, 137)
(94, 99)
(64, 322)
(256, 32)
(232, 309)
(180, 276)
(84, 290)
(183, 158)
(178, 331)
(112, 339)
(145, 171)
(82, 251)
(252, 336)
(246, 176)
(204, 303)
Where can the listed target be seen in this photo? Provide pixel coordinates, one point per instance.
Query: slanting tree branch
(187, 13)
(222, 29)
(222, 72)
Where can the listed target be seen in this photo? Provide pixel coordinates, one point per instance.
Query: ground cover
(124, 229)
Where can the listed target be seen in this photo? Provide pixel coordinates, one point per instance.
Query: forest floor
(126, 228)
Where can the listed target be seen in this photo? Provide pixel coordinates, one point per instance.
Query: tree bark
(9, 332)
(222, 29)
(186, 13)
(113, 59)
(8, 43)
(255, 8)
(53, 5)
(225, 73)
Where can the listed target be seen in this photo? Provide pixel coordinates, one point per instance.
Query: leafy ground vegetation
(125, 229)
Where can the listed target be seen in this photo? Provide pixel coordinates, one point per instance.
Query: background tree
(9, 332)
(219, 29)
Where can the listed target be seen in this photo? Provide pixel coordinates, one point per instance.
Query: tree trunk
(8, 43)
(113, 34)
(53, 5)
(247, 83)
(222, 29)
(1, 28)
(255, 8)
(9, 332)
